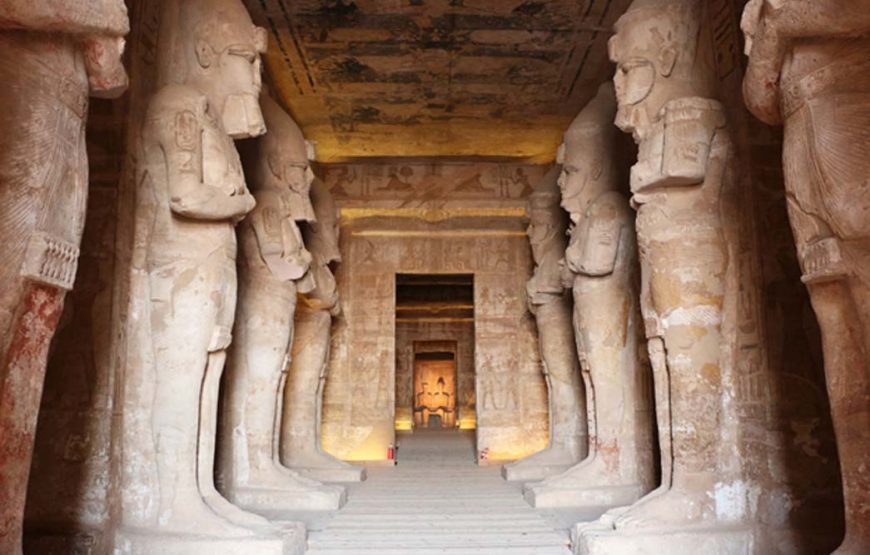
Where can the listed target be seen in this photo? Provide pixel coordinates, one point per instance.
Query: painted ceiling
(429, 78)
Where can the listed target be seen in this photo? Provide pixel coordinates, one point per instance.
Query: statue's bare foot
(280, 474)
(674, 508)
(194, 516)
(589, 473)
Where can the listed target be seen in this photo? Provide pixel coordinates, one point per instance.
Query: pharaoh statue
(273, 266)
(191, 193)
(809, 70)
(551, 307)
(53, 56)
(683, 187)
(602, 271)
(309, 355)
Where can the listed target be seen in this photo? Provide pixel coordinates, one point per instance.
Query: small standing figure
(809, 70)
(273, 267)
(53, 56)
(551, 306)
(602, 270)
(309, 356)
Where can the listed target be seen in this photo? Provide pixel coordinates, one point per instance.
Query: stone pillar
(309, 356)
(52, 57)
(602, 270)
(809, 70)
(683, 186)
(273, 266)
(551, 307)
(191, 192)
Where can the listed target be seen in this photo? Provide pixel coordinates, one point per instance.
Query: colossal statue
(191, 193)
(683, 187)
(809, 69)
(309, 355)
(551, 307)
(53, 56)
(601, 268)
(273, 266)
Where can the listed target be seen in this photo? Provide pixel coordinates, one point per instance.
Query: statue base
(287, 539)
(543, 496)
(338, 474)
(531, 472)
(599, 538)
(318, 498)
(549, 462)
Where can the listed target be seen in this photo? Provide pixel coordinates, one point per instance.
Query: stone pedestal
(599, 538)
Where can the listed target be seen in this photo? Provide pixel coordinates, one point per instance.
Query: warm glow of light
(468, 424)
(404, 425)
(349, 214)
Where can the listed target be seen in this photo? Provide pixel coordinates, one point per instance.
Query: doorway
(435, 374)
(434, 389)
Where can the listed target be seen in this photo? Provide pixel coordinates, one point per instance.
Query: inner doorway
(435, 374)
(434, 388)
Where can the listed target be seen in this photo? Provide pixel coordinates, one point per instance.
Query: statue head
(213, 46)
(546, 229)
(586, 155)
(658, 58)
(283, 160)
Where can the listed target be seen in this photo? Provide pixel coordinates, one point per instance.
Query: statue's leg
(843, 308)
(181, 357)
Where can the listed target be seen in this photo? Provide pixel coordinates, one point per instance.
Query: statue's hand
(285, 269)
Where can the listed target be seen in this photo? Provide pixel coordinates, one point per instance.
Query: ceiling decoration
(459, 78)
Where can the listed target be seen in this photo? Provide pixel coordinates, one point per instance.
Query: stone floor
(437, 500)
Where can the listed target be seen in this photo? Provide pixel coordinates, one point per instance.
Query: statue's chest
(220, 159)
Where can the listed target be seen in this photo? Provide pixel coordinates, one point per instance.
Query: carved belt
(836, 75)
(822, 261)
(51, 261)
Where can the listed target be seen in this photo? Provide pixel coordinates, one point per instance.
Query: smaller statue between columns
(551, 306)
(53, 56)
(273, 267)
(602, 270)
(809, 70)
(309, 357)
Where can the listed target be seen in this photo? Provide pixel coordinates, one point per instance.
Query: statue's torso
(175, 238)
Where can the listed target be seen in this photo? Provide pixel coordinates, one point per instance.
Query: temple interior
(462, 277)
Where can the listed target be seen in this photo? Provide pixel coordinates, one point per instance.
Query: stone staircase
(437, 500)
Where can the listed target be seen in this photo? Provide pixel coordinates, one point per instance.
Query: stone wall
(433, 218)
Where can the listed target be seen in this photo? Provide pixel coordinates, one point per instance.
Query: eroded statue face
(234, 69)
(580, 169)
(644, 58)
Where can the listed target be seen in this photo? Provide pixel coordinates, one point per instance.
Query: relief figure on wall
(551, 306)
(809, 70)
(300, 444)
(53, 56)
(602, 270)
(192, 192)
(273, 266)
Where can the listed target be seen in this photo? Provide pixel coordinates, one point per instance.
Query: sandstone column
(191, 191)
(809, 69)
(52, 57)
(683, 186)
(309, 356)
(551, 307)
(601, 268)
(272, 264)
